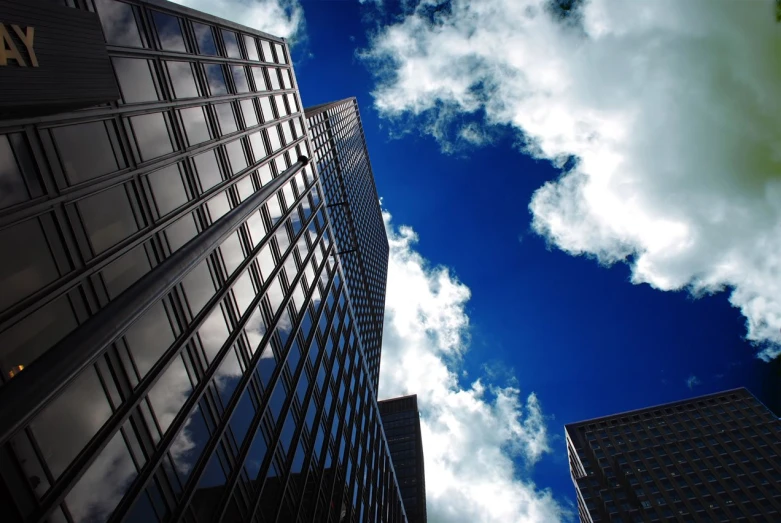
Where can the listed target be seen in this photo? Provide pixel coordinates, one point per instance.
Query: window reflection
(238, 160)
(279, 101)
(204, 37)
(31, 266)
(108, 218)
(274, 208)
(258, 146)
(182, 79)
(226, 118)
(273, 138)
(207, 169)
(169, 31)
(250, 116)
(281, 58)
(86, 150)
(124, 272)
(195, 127)
(151, 132)
(198, 287)
(265, 109)
(231, 44)
(216, 79)
(244, 292)
(240, 78)
(135, 79)
(218, 205)
(252, 48)
(260, 80)
(273, 76)
(232, 253)
(167, 189)
(169, 393)
(286, 83)
(267, 55)
(119, 23)
(255, 329)
(12, 187)
(148, 338)
(181, 231)
(213, 333)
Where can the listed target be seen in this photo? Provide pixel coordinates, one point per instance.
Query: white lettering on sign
(9, 50)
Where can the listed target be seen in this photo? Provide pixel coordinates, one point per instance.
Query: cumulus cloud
(692, 381)
(472, 434)
(669, 109)
(282, 18)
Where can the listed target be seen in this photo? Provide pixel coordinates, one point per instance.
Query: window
(267, 55)
(240, 78)
(119, 23)
(169, 31)
(32, 265)
(273, 75)
(204, 37)
(248, 110)
(265, 109)
(226, 118)
(216, 79)
(151, 133)
(207, 169)
(135, 78)
(258, 146)
(125, 271)
(182, 79)
(273, 137)
(252, 48)
(108, 218)
(181, 231)
(260, 80)
(195, 127)
(167, 189)
(281, 59)
(14, 160)
(86, 150)
(236, 156)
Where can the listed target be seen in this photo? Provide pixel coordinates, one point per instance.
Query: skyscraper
(712, 458)
(347, 178)
(176, 339)
(401, 420)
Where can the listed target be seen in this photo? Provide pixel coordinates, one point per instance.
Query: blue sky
(545, 291)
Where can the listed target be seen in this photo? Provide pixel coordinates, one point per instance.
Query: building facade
(354, 208)
(177, 342)
(711, 458)
(401, 420)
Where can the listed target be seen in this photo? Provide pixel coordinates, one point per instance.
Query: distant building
(712, 458)
(401, 421)
(185, 335)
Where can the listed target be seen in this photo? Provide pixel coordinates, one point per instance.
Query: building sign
(52, 59)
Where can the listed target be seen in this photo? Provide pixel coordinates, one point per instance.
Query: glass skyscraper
(711, 458)
(181, 339)
(347, 179)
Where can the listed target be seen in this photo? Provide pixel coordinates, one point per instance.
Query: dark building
(177, 342)
(356, 218)
(712, 458)
(401, 419)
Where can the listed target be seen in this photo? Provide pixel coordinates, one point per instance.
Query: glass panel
(257, 228)
(281, 59)
(240, 78)
(135, 79)
(218, 206)
(216, 79)
(244, 292)
(231, 251)
(245, 188)
(274, 208)
(248, 110)
(286, 83)
(207, 169)
(152, 135)
(182, 79)
(12, 186)
(265, 109)
(242, 416)
(69, 422)
(273, 138)
(291, 102)
(273, 76)
(31, 266)
(149, 337)
(279, 101)
(169, 393)
(99, 490)
(275, 296)
(181, 231)
(255, 330)
(260, 80)
(169, 31)
(226, 118)
(119, 24)
(238, 160)
(198, 287)
(227, 376)
(213, 482)
(167, 189)
(85, 150)
(267, 55)
(266, 262)
(213, 333)
(231, 44)
(189, 443)
(252, 49)
(286, 133)
(124, 272)
(24, 341)
(195, 127)
(108, 218)
(264, 173)
(205, 39)
(258, 146)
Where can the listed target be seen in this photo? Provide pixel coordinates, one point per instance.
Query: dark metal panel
(66, 67)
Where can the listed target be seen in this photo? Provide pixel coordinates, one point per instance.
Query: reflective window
(198, 287)
(264, 173)
(167, 188)
(207, 169)
(213, 333)
(257, 228)
(279, 101)
(245, 188)
(119, 23)
(31, 266)
(286, 133)
(151, 134)
(258, 146)
(135, 79)
(255, 330)
(248, 110)
(182, 79)
(267, 55)
(216, 79)
(12, 187)
(195, 127)
(148, 338)
(240, 78)
(231, 44)
(273, 138)
(169, 393)
(108, 218)
(238, 160)
(281, 58)
(181, 231)
(244, 292)
(232, 253)
(169, 30)
(242, 416)
(286, 83)
(265, 108)
(226, 118)
(292, 103)
(24, 341)
(227, 376)
(273, 76)
(86, 150)
(260, 80)
(252, 49)
(124, 272)
(204, 37)
(218, 205)
(70, 421)
(274, 208)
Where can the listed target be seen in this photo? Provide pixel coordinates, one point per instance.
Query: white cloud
(472, 434)
(692, 381)
(282, 18)
(670, 107)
